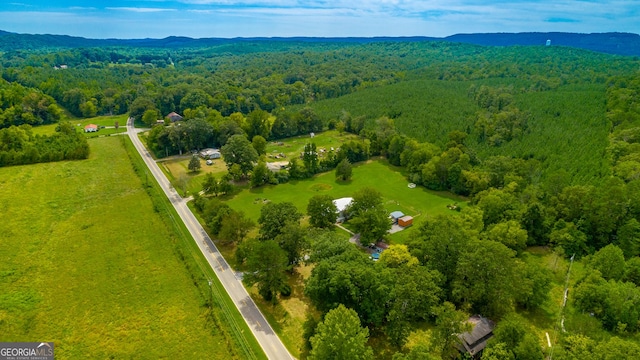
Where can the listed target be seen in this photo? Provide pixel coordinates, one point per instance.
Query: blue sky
(248, 18)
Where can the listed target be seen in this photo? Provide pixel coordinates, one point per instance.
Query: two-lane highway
(271, 344)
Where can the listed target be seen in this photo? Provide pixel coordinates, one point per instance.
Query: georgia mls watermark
(26, 351)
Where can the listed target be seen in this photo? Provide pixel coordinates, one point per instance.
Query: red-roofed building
(91, 128)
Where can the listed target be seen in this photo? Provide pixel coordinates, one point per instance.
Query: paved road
(271, 344)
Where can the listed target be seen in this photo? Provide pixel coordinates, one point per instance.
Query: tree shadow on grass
(344, 182)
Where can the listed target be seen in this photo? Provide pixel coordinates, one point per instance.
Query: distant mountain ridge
(612, 43)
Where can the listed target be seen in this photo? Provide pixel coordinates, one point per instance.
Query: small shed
(475, 341)
(405, 221)
(396, 215)
(91, 128)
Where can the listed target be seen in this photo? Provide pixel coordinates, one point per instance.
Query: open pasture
(88, 264)
(294, 146)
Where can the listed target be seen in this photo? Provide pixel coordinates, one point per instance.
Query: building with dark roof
(174, 116)
(475, 341)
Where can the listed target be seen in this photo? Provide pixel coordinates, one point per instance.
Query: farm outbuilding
(405, 221)
(475, 341)
(395, 216)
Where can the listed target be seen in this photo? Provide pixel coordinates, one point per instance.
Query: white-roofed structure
(341, 205)
(210, 154)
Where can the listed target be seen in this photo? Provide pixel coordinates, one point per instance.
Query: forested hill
(612, 43)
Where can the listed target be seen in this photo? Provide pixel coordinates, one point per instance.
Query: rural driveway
(269, 341)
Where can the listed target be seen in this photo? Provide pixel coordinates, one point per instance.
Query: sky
(136, 19)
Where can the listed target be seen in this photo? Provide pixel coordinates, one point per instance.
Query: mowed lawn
(378, 174)
(88, 264)
(177, 170)
(177, 167)
(107, 121)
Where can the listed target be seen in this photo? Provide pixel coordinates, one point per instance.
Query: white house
(210, 154)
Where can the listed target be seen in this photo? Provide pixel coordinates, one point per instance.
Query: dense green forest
(543, 141)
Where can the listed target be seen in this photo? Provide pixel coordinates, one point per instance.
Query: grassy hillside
(88, 264)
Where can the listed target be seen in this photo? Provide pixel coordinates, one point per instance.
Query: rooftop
(342, 203)
(476, 340)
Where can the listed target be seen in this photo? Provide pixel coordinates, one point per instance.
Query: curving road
(269, 341)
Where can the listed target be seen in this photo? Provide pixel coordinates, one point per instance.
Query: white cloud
(140, 9)
(230, 18)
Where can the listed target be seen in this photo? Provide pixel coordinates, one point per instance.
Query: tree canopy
(340, 336)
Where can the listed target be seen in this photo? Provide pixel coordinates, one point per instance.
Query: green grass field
(108, 121)
(88, 264)
(177, 171)
(293, 147)
(176, 167)
(378, 174)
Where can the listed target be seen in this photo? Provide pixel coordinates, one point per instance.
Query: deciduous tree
(260, 144)
(449, 323)
(235, 227)
(273, 218)
(261, 175)
(321, 211)
(293, 240)
(340, 336)
(266, 265)
(487, 277)
(367, 215)
(210, 185)
(609, 261)
(350, 278)
(194, 163)
(510, 234)
(440, 243)
(344, 170)
(238, 151)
